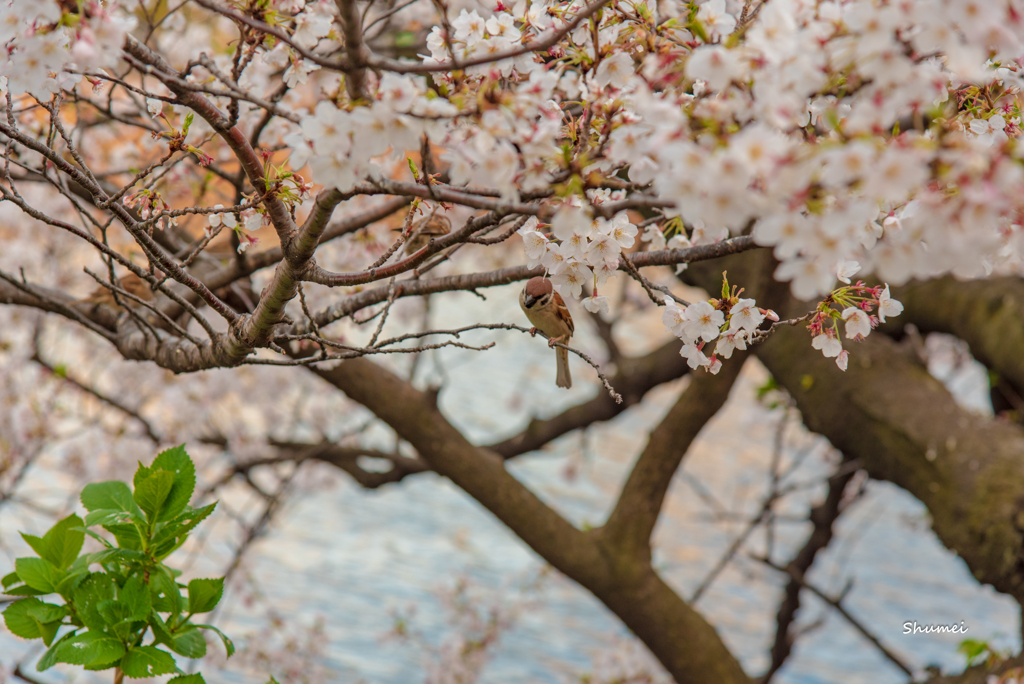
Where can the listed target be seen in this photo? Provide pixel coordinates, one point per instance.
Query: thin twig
(836, 604)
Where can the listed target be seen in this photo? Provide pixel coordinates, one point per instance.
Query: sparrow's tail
(563, 379)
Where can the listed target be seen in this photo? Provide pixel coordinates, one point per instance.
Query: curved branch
(679, 637)
(822, 517)
(504, 276)
(904, 426)
(986, 314)
(632, 521)
(634, 378)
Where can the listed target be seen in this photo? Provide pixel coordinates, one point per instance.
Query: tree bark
(689, 648)
(986, 314)
(902, 424)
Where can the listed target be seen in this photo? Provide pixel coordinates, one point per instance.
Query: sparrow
(426, 228)
(547, 313)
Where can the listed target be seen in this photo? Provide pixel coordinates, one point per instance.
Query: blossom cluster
(856, 304)
(584, 250)
(43, 49)
(730, 320)
(846, 136)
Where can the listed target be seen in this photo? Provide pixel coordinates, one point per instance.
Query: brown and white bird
(426, 228)
(547, 312)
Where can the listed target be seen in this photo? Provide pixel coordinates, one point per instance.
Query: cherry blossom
(828, 343)
(744, 315)
(887, 306)
(858, 323)
(702, 321)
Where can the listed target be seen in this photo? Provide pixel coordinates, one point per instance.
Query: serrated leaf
(107, 516)
(84, 561)
(49, 658)
(184, 523)
(166, 597)
(91, 648)
(95, 589)
(113, 612)
(100, 539)
(70, 581)
(39, 574)
(64, 541)
(47, 612)
(151, 493)
(189, 643)
(188, 679)
(110, 495)
(204, 594)
(127, 536)
(135, 595)
(176, 461)
(147, 661)
(229, 645)
(17, 619)
(49, 630)
(25, 590)
(10, 579)
(38, 544)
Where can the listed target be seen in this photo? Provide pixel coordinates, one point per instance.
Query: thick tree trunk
(901, 423)
(689, 648)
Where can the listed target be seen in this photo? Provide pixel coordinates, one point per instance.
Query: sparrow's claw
(533, 332)
(552, 341)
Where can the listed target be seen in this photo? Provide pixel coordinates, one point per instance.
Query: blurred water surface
(356, 559)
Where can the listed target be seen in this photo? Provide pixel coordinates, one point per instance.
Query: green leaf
(46, 612)
(10, 580)
(166, 597)
(147, 661)
(49, 630)
(228, 644)
(31, 619)
(95, 589)
(176, 461)
(38, 574)
(203, 594)
(107, 516)
(100, 539)
(189, 643)
(91, 648)
(49, 658)
(70, 581)
(18, 620)
(25, 590)
(113, 612)
(188, 679)
(113, 494)
(184, 523)
(38, 544)
(64, 541)
(135, 595)
(151, 493)
(188, 124)
(84, 561)
(127, 536)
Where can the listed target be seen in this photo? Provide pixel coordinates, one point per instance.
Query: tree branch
(678, 636)
(822, 517)
(632, 521)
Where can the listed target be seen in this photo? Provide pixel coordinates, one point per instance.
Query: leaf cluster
(114, 598)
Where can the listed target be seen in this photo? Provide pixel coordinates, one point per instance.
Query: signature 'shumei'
(914, 628)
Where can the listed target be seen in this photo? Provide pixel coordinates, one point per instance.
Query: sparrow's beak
(529, 300)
